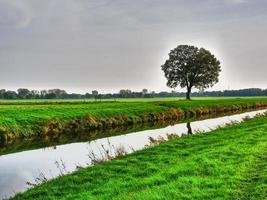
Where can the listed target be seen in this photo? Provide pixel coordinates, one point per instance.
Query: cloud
(117, 44)
(16, 13)
(235, 1)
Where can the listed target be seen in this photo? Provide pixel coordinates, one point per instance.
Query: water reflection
(188, 125)
(18, 168)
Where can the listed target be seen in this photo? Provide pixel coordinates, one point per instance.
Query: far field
(227, 163)
(27, 117)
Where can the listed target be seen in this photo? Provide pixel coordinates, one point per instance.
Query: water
(18, 168)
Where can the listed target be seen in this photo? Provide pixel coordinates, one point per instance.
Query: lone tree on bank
(191, 67)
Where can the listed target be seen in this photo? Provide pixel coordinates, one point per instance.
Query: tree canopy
(190, 67)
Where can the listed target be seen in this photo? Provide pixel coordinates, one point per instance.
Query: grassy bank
(29, 118)
(228, 163)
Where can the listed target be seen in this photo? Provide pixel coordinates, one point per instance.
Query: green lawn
(24, 117)
(228, 163)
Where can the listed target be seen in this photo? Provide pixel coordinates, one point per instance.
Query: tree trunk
(188, 93)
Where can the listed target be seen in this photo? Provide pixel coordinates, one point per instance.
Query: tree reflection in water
(189, 129)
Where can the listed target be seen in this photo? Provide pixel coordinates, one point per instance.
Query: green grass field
(25, 116)
(80, 101)
(227, 163)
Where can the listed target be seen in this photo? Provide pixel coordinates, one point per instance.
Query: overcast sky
(80, 45)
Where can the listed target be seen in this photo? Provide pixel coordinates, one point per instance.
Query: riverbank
(46, 141)
(27, 119)
(227, 163)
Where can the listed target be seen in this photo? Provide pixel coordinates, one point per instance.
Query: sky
(108, 45)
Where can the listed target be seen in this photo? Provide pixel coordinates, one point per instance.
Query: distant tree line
(24, 93)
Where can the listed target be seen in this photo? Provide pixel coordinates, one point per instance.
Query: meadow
(227, 163)
(25, 118)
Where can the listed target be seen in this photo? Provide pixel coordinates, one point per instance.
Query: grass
(227, 163)
(79, 101)
(27, 117)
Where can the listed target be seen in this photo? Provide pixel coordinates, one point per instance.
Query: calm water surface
(18, 168)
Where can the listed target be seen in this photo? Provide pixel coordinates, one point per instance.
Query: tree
(23, 93)
(153, 94)
(50, 95)
(58, 93)
(125, 93)
(10, 95)
(95, 94)
(87, 95)
(191, 67)
(34, 94)
(144, 92)
(43, 93)
(2, 92)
